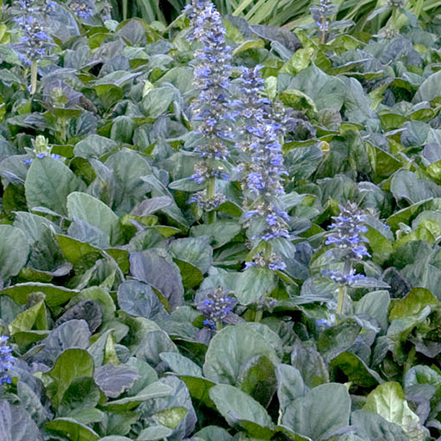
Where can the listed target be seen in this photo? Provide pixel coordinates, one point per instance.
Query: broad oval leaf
(49, 183)
(14, 251)
(230, 349)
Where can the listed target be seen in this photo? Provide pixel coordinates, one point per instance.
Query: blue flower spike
(6, 360)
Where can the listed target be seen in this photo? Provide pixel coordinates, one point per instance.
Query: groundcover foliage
(218, 231)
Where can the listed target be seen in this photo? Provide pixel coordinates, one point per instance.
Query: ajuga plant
(6, 360)
(31, 17)
(321, 14)
(262, 171)
(212, 112)
(348, 247)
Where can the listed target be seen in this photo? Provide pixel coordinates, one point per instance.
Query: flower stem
(33, 77)
(211, 192)
(323, 41)
(258, 316)
(63, 122)
(343, 290)
(341, 299)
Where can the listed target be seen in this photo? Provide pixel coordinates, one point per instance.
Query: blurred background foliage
(287, 13)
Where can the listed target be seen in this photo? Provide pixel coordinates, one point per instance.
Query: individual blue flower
(324, 323)
(6, 360)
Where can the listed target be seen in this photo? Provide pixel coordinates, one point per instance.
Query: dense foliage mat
(218, 230)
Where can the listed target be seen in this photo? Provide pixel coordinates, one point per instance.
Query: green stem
(394, 19)
(124, 4)
(63, 130)
(323, 40)
(33, 77)
(341, 299)
(343, 290)
(268, 250)
(211, 193)
(258, 317)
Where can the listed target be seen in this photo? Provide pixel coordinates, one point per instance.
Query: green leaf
(34, 316)
(310, 363)
(128, 166)
(406, 185)
(14, 251)
(236, 406)
(376, 305)
(372, 426)
(33, 226)
(94, 146)
(155, 433)
(16, 424)
(157, 101)
(383, 164)
(388, 400)
(357, 105)
(199, 388)
(180, 77)
(181, 365)
(123, 128)
(430, 89)
(150, 267)
(153, 390)
(254, 284)
(55, 295)
(138, 299)
(258, 379)
(30, 401)
(70, 365)
(400, 329)
(220, 233)
(196, 251)
(49, 183)
(290, 385)
(422, 375)
(326, 91)
(356, 370)
(114, 438)
(82, 393)
(171, 417)
(75, 250)
(337, 339)
(413, 303)
(71, 430)
(230, 349)
(100, 296)
(213, 433)
(114, 380)
(323, 411)
(85, 207)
